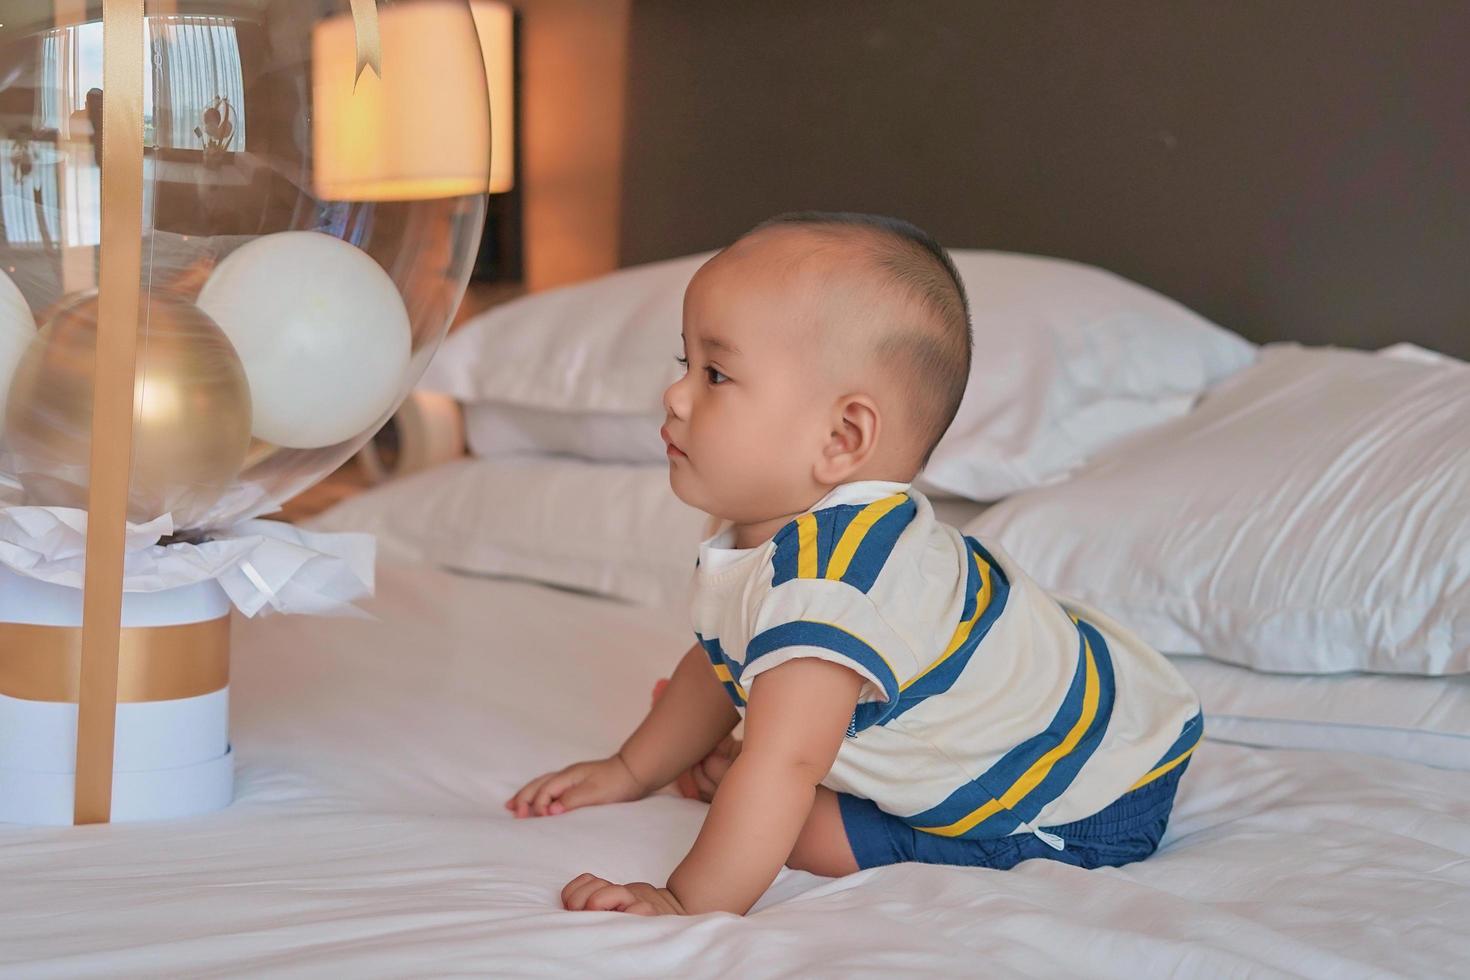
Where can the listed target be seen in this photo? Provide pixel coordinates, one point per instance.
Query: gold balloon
(191, 411)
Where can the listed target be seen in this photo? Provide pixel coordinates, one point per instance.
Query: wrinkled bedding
(368, 838)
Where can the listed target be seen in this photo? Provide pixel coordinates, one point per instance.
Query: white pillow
(1312, 515)
(1068, 358)
(1416, 719)
(496, 428)
(603, 528)
(606, 345)
(610, 529)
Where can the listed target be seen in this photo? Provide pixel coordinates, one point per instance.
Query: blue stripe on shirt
(1032, 775)
(941, 677)
(718, 660)
(877, 544)
(825, 636)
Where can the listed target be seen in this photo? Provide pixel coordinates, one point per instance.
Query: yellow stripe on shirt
(962, 632)
(851, 538)
(806, 546)
(1042, 767)
(1158, 771)
(723, 673)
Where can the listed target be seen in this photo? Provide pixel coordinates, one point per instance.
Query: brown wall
(573, 67)
(1292, 170)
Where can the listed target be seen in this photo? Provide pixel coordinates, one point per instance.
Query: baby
(908, 693)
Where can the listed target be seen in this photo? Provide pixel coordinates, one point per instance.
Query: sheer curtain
(196, 66)
(32, 172)
(49, 191)
(29, 202)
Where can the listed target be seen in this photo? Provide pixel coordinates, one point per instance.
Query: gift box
(171, 749)
(172, 744)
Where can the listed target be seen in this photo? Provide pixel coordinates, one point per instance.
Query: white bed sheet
(368, 838)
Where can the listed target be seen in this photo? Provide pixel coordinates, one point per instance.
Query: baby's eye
(684, 361)
(714, 375)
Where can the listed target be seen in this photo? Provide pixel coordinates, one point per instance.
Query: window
(193, 99)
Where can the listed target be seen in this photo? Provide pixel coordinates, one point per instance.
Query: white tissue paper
(263, 566)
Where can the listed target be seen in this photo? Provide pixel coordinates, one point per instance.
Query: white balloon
(17, 330)
(322, 332)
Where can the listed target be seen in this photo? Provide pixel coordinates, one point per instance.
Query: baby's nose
(675, 402)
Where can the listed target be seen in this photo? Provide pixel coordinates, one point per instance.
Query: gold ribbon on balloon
(120, 274)
(369, 42)
(155, 663)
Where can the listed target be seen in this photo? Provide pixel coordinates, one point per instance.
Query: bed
(1244, 162)
(368, 840)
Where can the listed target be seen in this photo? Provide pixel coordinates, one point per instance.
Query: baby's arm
(683, 727)
(687, 721)
(794, 724)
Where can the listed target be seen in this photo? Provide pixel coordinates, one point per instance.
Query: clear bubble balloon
(312, 204)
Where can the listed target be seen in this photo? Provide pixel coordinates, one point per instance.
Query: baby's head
(821, 348)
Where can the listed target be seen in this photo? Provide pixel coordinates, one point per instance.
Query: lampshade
(495, 23)
(420, 131)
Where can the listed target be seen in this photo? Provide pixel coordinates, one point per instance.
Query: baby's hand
(593, 894)
(583, 784)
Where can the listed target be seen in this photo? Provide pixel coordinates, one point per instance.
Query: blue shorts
(1128, 829)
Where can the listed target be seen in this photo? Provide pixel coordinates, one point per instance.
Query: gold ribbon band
(369, 42)
(119, 276)
(155, 663)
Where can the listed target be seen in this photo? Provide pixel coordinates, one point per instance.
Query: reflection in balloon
(17, 330)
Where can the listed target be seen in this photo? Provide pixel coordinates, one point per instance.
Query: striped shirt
(990, 707)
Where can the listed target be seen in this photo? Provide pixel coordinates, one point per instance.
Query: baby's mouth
(671, 450)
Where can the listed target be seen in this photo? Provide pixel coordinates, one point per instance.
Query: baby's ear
(851, 441)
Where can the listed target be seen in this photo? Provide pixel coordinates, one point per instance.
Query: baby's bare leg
(822, 847)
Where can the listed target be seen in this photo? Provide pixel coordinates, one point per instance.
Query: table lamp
(423, 134)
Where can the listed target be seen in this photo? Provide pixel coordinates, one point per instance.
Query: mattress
(368, 837)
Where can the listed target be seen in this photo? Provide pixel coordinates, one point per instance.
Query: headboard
(1293, 171)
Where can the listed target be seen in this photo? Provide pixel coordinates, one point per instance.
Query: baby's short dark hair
(936, 359)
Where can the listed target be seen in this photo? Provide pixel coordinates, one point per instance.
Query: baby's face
(748, 420)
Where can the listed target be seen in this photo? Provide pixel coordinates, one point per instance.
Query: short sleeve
(833, 621)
